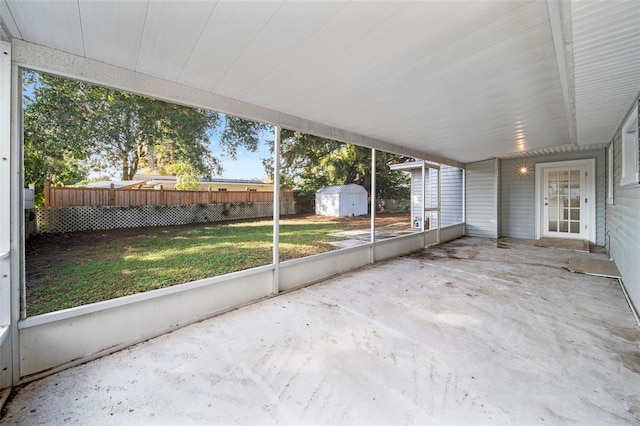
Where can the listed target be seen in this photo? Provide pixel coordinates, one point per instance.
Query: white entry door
(564, 212)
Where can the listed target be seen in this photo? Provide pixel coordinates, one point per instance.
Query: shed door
(565, 200)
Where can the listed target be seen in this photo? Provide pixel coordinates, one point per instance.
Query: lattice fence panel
(84, 218)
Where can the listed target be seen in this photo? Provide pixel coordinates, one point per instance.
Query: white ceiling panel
(466, 80)
(5, 13)
(424, 84)
(113, 30)
(231, 29)
(306, 72)
(171, 31)
(289, 28)
(54, 24)
(606, 50)
(299, 76)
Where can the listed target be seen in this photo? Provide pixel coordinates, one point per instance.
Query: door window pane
(575, 176)
(563, 226)
(575, 227)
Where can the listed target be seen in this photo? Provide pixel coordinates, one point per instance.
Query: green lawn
(74, 270)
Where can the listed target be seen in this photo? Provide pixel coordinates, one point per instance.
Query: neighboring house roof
(169, 178)
(247, 181)
(156, 177)
(351, 188)
(117, 184)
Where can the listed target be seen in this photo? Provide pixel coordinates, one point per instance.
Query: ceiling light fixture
(523, 169)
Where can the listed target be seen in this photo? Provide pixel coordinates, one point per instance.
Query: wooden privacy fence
(63, 196)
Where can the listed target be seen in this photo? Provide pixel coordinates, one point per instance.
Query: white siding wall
(623, 228)
(451, 199)
(416, 194)
(517, 193)
(432, 197)
(481, 194)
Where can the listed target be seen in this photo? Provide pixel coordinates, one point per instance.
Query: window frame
(610, 173)
(629, 139)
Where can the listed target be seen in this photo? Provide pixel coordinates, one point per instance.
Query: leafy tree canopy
(310, 162)
(72, 128)
(186, 176)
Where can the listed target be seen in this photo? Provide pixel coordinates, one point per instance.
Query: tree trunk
(129, 167)
(125, 168)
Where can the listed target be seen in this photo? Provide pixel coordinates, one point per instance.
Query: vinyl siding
(481, 205)
(416, 194)
(517, 193)
(432, 197)
(451, 198)
(623, 228)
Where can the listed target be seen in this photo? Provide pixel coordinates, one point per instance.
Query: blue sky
(248, 165)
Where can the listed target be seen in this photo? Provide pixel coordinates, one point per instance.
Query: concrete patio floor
(471, 332)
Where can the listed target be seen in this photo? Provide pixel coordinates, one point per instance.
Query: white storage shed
(342, 200)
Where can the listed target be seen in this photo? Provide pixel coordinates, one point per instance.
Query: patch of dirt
(631, 360)
(629, 334)
(44, 250)
(12, 395)
(439, 253)
(435, 253)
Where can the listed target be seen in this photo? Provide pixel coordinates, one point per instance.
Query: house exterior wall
(481, 186)
(517, 193)
(432, 197)
(205, 186)
(623, 227)
(451, 198)
(416, 194)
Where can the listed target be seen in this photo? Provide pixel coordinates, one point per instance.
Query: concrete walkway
(471, 332)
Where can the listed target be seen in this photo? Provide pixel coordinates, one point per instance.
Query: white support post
(373, 204)
(5, 179)
(464, 197)
(424, 197)
(9, 313)
(424, 205)
(276, 210)
(439, 203)
(18, 288)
